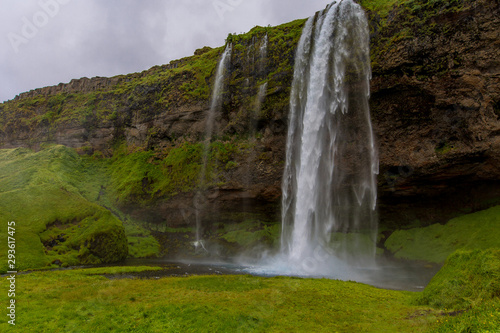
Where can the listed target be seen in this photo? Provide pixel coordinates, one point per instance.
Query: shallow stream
(387, 274)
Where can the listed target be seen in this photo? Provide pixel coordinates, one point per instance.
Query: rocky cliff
(435, 107)
(435, 104)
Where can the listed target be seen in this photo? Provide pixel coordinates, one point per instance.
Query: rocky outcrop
(435, 98)
(435, 104)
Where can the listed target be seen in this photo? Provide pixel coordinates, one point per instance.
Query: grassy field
(463, 297)
(81, 301)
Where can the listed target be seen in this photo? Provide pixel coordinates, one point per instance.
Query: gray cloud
(58, 40)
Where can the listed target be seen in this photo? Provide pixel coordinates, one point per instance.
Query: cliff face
(435, 104)
(436, 94)
(435, 108)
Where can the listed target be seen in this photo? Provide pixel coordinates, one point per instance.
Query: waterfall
(216, 100)
(263, 55)
(263, 47)
(200, 200)
(329, 183)
(260, 97)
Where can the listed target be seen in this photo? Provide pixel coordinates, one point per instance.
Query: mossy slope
(54, 221)
(143, 176)
(468, 288)
(435, 243)
(467, 279)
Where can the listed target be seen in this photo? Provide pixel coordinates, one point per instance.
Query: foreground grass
(80, 301)
(463, 297)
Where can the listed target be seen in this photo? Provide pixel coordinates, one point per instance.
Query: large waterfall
(329, 184)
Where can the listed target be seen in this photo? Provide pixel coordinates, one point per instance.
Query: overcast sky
(45, 42)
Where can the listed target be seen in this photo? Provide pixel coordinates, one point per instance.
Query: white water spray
(329, 184)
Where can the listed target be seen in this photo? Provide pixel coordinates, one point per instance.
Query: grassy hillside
(469, 287)
(52, 196)
(435, 243)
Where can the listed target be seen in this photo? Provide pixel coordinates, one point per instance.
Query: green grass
(467, 279)
(463, 297)
(469, 285)
(435, 243)
(140, 242)
(80, 301)
(54, 221)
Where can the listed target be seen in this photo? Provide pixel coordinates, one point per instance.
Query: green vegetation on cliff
(143, 176)
(393, 22)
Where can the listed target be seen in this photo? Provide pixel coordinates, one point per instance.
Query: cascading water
(329, 183)
(215, 105)
(260, 97)
(263, 55)
(254, 114)
(262, 73)
(263, 47)
(216, 101)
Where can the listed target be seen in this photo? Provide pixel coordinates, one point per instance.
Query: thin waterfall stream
(215, 105)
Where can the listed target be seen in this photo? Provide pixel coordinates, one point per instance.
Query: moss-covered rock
(480, 230)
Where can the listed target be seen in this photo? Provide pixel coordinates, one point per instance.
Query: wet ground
(387, 274)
